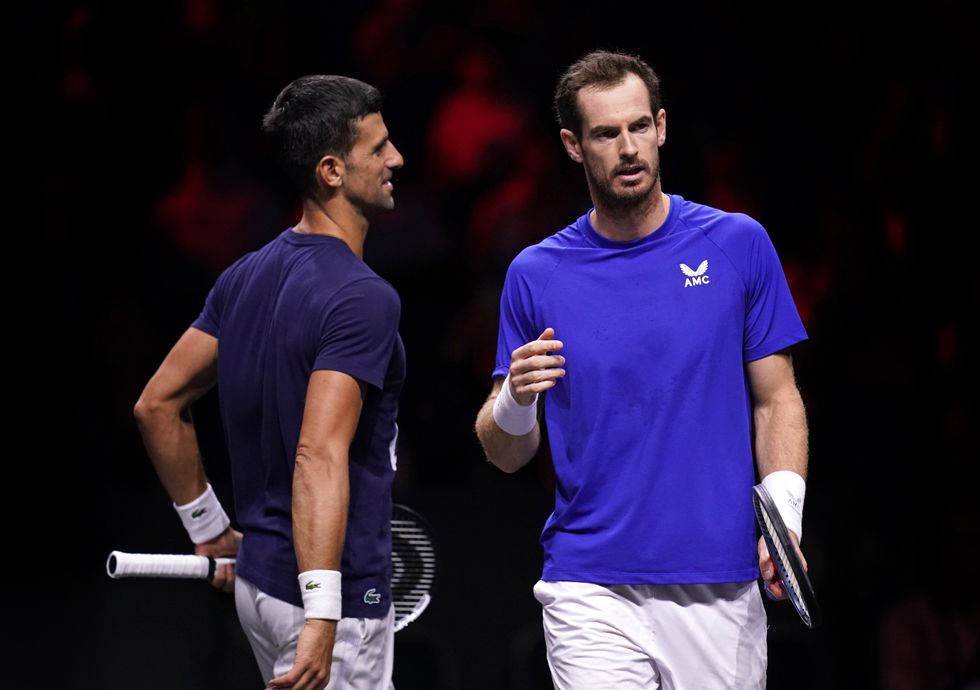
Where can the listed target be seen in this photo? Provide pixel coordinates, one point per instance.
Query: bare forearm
(781, 434)
(171, 442)
(163, 414)
(508, 453)
(321, 492)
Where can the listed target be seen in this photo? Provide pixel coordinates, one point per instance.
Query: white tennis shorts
(674, 637)
(363, 652)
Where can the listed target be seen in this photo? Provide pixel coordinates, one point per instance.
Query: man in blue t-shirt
(659, 328)
(309, 370)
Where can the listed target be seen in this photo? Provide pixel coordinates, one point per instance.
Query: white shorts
(674, 637)
(363, 652)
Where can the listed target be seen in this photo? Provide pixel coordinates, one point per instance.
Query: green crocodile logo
(310, 586)
(372, 597)
(198, 513)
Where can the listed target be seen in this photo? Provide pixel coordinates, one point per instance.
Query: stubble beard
(625, 201)
(371, 205)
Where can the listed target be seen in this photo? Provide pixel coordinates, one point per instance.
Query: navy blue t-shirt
(651, 428)
(299, 304)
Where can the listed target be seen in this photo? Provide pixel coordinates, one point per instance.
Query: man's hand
(533, 370)
(224, 545)
(314, 655)
(770, 576)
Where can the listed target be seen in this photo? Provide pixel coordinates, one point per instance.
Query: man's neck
(334, 218)
(623, 225)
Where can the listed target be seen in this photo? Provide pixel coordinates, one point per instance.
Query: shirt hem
(367, 377)
(774, 346)
(205, 327)
(613, 577)
(351, 606)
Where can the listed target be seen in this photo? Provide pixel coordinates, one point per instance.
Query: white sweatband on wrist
(787, 490)
(321, 594)
(203, 518)
(510, 415)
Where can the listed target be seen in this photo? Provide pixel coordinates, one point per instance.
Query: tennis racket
(413, 565)
(785, 555)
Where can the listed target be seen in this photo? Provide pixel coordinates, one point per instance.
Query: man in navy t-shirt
(301, 338)
(659, 328)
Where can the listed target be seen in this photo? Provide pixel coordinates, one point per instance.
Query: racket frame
(786, 557)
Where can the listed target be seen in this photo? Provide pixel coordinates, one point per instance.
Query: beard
(625, 198)
(371, 202)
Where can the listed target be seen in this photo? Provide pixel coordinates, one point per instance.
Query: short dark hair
(315, 116)
(600, 68)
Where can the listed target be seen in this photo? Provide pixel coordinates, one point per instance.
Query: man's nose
(396, 161)
(627, 146)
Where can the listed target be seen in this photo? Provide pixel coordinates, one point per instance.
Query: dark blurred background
(846, 132)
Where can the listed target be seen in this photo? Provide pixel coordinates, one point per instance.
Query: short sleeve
(209, 320)
(771, 319)
(359, 330)
(516, 319)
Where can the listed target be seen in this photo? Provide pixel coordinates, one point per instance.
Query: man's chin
(382, 206)
(628, 198)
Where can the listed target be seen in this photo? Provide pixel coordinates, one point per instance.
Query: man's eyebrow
(602, 129)
(380, 144)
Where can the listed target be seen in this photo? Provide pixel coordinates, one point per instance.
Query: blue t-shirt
(651, 427)
(299, 304)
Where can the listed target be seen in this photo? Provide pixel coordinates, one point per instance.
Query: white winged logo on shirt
(696, 277)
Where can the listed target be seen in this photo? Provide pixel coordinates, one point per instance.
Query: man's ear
(572, 146)
(330, 171)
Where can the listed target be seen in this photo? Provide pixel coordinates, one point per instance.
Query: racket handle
(121, 564)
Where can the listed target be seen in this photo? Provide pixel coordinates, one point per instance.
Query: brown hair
(600, 68)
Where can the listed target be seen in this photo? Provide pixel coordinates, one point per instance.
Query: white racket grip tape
(788, 489)
(121, 564)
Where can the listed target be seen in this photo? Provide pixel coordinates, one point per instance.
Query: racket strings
(413, 568)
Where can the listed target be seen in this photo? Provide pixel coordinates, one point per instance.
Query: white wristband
(787, 490)
(510, 415)
(321, 594)
(203, 518)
